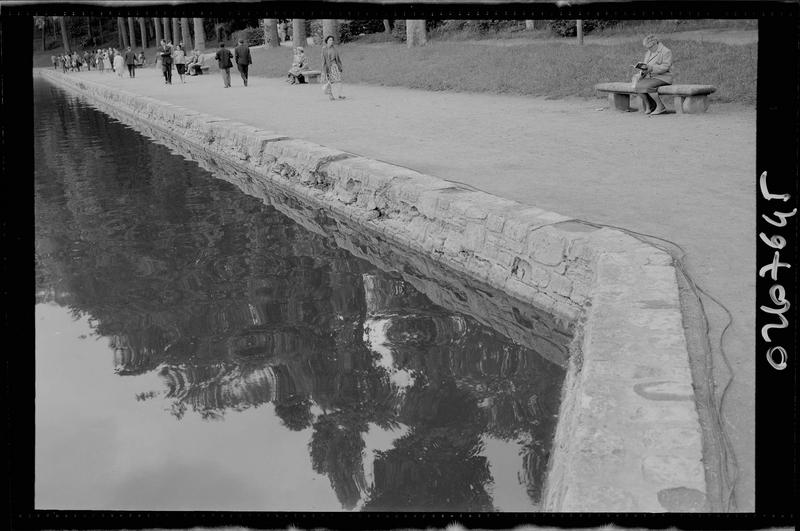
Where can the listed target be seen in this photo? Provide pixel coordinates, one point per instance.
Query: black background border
(778, 153)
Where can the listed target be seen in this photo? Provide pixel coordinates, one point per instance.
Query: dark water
(197, 349)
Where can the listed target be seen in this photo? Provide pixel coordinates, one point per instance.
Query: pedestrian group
(167, 55)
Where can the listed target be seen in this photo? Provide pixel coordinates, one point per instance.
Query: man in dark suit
(130, 61)
(165, 51)
(243, 60)
(223, 57)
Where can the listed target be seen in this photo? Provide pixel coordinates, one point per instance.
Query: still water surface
(197, 349)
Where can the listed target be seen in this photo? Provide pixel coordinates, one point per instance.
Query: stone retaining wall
(628, 437)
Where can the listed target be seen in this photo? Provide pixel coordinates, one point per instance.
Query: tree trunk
(143, 32)
(579, 29)
(187, 35)
(176, 30)
(89, 30)
(530, 24)
(330, 26)
(64, 34)
(44, 47)
(387, 25)
(416, 35)
(298, 32)
(100, 31)
(131, 32)
(159, 35)
(199, 34)
(167, 33)
(123, 32)
(271, 32)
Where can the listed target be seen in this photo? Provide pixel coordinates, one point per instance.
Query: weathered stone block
(474, 236)
(560, 285)
(495, 222)
(547, 250)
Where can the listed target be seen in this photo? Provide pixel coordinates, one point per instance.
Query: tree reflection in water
(235, 306)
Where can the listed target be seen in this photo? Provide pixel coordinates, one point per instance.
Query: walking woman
(107, 62)
(119, 63)
(655, 72)
(332, 69)
(179, 58)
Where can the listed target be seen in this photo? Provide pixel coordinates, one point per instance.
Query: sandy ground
(686, 178)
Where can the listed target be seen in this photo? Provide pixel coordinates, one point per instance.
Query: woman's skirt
(649, 84)
(181, 68)
(334, 74)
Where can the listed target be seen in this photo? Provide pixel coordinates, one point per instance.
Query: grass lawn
(552, 70)
(547, 69)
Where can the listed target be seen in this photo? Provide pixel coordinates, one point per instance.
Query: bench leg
(695, 104)
(619, 102)
(678, 101)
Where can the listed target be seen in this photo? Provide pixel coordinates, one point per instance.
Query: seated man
(195, 65)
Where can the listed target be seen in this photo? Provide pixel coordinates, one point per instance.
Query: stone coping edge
(628, 437)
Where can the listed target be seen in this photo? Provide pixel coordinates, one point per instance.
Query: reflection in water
(233, 306)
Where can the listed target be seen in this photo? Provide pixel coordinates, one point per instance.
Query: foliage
(252, 36)
(569, 28)
(399, 30)
(351, 29)
(450, 28)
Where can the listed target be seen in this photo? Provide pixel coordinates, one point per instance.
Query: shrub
(315, 30)
(252, 36)
(351, 29)
(569, 28)
(399, 30)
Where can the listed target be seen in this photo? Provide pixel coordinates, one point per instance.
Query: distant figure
(130, 61)
(179, 57)
(332, 69)
(141, 60)
(223, 57)
(195, 65)
(55, 63)
(654, 73)
(298, 65)
(243, 59)
(86, 60)
(107, 62)
(119, 63)
(165, 52)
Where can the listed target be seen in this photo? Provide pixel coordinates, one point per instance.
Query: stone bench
(690, 99)
(312, 76)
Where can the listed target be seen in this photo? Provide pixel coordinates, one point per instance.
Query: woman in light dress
(119, 63)
(106, 62)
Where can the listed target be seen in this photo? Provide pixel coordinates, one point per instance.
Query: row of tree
(140, 31)
(416, 34)
(174, 29)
